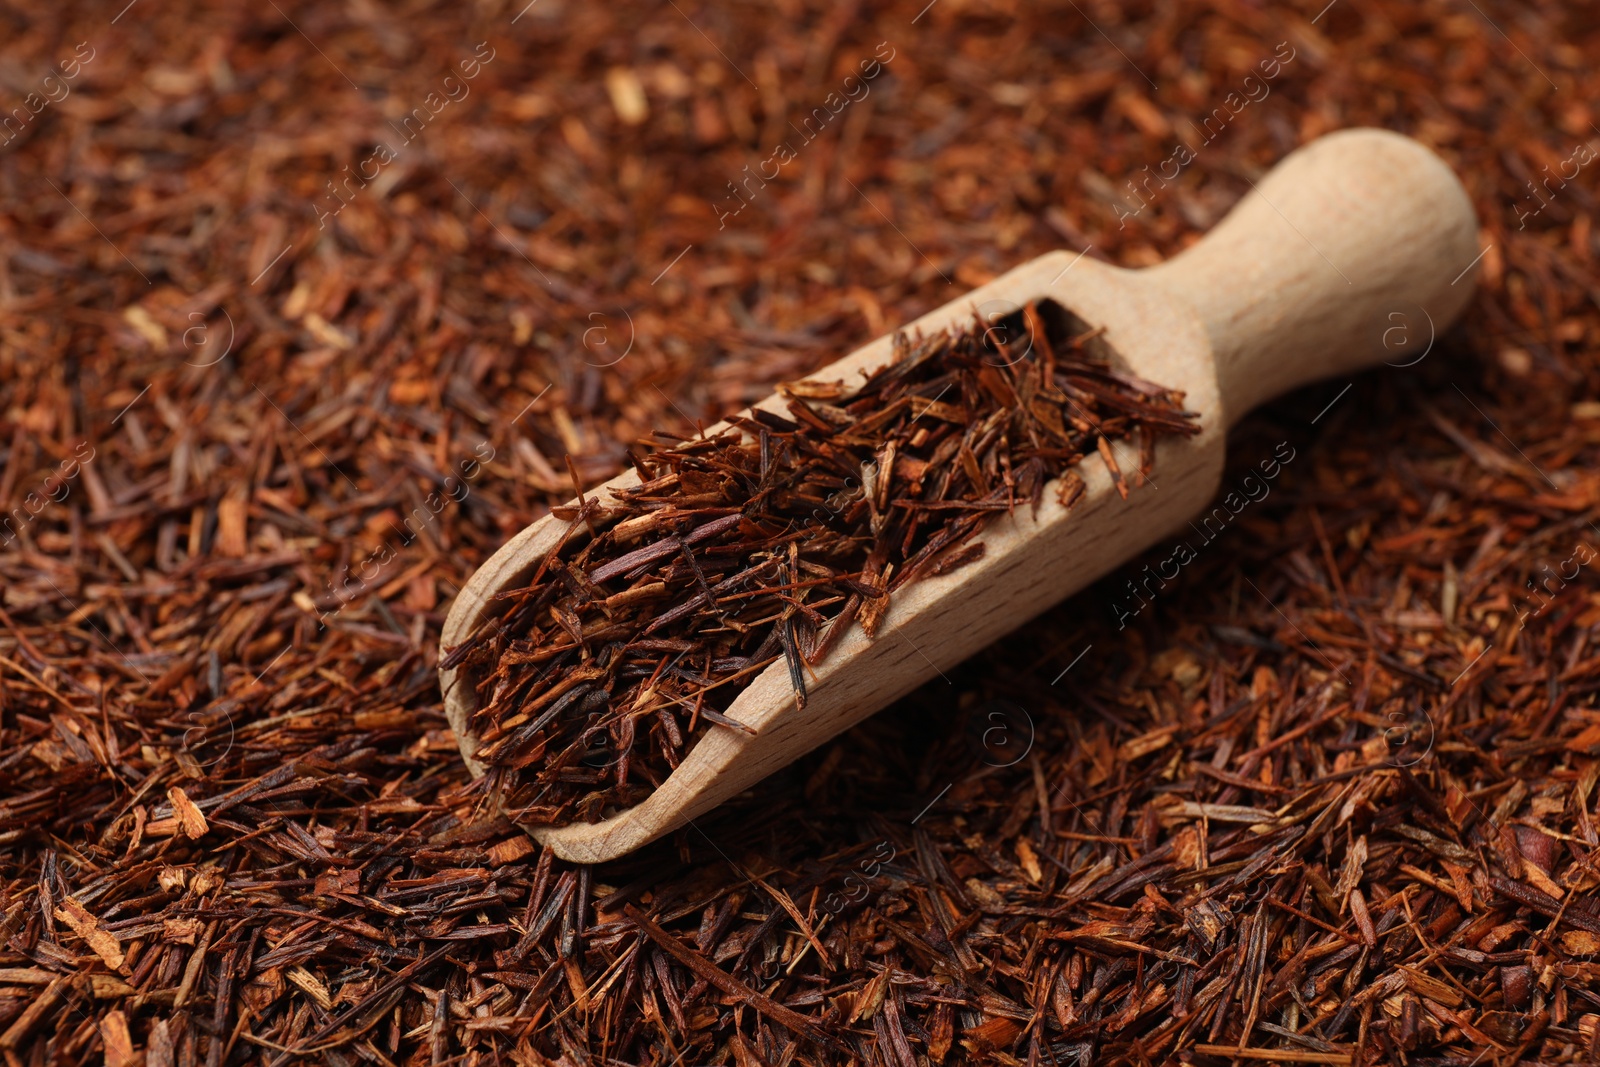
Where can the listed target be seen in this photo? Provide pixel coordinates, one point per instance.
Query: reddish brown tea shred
(1398, 649)
(765, 540)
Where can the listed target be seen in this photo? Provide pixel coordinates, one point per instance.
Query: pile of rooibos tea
(767, 540)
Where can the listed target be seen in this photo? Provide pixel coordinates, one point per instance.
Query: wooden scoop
(1354, 251)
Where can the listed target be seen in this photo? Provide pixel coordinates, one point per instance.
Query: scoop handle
(1357, 249)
